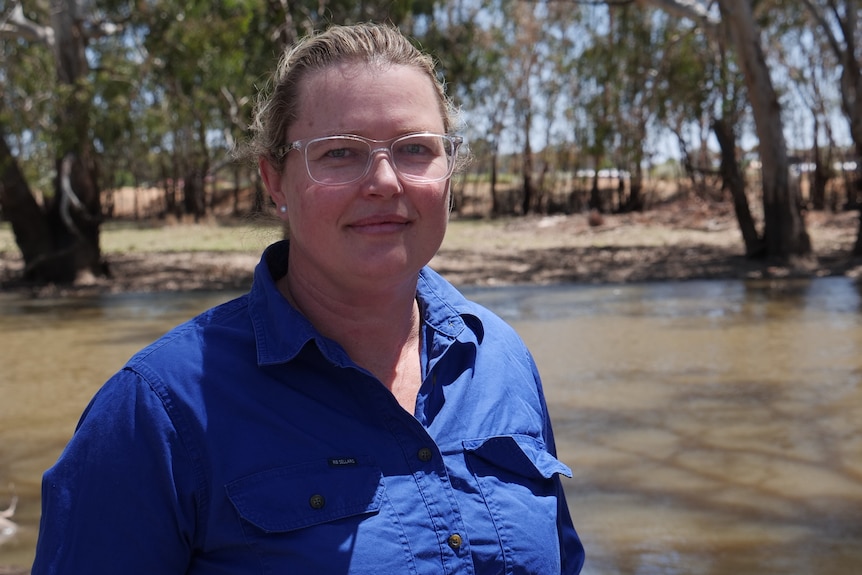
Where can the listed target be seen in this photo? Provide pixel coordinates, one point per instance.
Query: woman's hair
(373, 44)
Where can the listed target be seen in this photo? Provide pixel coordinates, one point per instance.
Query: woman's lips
(380, 224)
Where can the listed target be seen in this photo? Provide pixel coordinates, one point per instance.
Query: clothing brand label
(342, 461)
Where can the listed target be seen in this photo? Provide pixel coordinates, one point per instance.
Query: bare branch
(690, 9)
(825, 28)
(16, 25)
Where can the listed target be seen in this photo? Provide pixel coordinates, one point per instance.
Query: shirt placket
(436, 494)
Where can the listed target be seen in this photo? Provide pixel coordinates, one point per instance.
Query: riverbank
(686, 241)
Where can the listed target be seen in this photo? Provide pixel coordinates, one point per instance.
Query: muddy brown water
(713, 427)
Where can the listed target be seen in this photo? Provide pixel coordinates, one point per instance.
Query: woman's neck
(379, 330)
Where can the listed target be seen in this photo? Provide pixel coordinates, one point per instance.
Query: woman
(352, 413)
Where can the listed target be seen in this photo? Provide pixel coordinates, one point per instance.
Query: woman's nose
(382, 177)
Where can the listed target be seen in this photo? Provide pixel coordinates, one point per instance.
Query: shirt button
(317, 501)
(425, 455)
(454, 541)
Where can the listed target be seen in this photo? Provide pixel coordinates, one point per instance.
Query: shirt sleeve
(571, 550)
(572, 554)
(122, 496)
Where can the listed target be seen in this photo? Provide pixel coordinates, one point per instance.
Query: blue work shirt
(243, 441)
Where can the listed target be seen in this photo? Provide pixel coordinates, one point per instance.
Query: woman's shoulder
(181, 357)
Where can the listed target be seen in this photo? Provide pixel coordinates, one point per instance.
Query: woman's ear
(271, 177)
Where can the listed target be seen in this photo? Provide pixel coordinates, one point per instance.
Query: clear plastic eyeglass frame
(413, 156)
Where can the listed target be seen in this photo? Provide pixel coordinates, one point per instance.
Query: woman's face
(379, 229)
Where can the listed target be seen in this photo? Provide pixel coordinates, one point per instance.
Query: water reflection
(54, 356)
(713, 427)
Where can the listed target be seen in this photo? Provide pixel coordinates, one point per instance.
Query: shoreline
(686, 244)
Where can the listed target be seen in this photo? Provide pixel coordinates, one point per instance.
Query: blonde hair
(374, 44)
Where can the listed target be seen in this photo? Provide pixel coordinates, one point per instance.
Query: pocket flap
(519, 454)
(288, 498)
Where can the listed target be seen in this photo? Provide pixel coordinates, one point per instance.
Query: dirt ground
(686, 241)
(689, 240)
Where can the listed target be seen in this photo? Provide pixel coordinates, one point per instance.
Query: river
(713, 427)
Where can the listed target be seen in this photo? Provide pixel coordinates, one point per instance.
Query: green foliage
(172, 87)
(27, 94)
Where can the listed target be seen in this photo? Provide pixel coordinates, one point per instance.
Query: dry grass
(684, 239)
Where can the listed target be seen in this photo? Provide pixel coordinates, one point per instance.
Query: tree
(641, 49)
(523, 64)
(198, 58)
(491, 102)
(810, 75)
(452, 36)
(171, 91)
(700, 84)
(784, 233)
(597, 77)
(839, 23)
(17, 202)
(66, 242)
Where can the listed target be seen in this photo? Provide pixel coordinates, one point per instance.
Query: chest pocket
(328, 516)
(289, 498)
(517, 479)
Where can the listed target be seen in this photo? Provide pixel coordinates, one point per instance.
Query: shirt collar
(281, 331)
(442, 305)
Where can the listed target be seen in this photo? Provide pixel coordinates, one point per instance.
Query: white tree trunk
(784, 231)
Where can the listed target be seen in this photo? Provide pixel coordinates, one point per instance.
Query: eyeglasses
(336, 160)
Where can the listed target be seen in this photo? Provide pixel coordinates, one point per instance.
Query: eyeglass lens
(417, 157)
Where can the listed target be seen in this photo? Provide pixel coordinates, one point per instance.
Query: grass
(132, 237)
(128, 237)
(511, 234)
(137, 237)
(7, 240)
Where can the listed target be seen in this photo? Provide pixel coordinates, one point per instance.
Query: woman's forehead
(348, 77)
(346, 97)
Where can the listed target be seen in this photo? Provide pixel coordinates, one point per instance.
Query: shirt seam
(194, 455)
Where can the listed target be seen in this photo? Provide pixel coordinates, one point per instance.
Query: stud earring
(282, 208)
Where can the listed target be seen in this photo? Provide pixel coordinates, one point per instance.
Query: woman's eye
(416, 149)
(337, 152)
(341, 151)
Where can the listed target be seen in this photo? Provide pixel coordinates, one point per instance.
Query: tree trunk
(259, 194)
(635, 201)
(784, 233)
(60, 241)
(74, 215)
(236, 191)
(21, 209)
(529, 192)
(194, 193)
(733, 180)
(851, 101)
(819, 177)
(595, 202)
(851, 74)
(496, 208)
(847, 19)
(857, 247)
